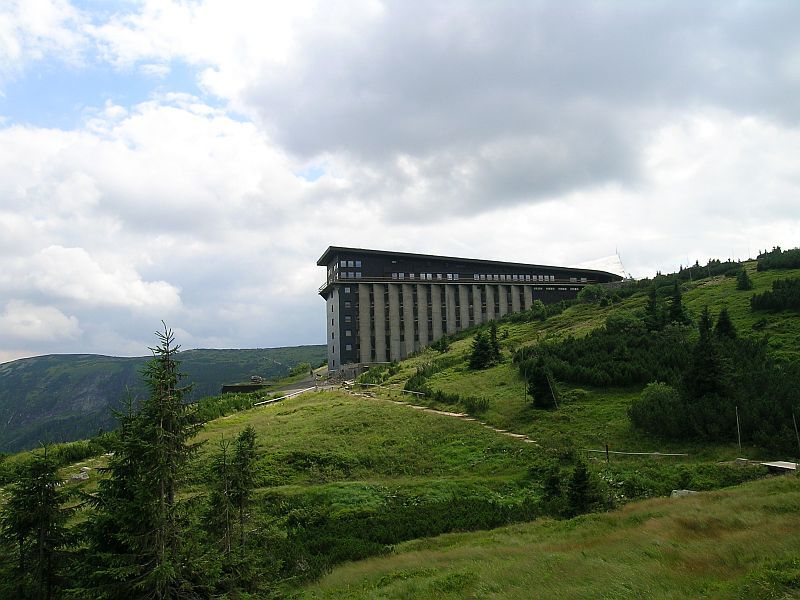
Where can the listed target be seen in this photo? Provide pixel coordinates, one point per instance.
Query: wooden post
(738, 431)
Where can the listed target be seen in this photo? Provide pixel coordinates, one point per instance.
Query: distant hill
(71, 396)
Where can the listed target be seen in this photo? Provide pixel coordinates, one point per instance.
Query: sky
(189, 160)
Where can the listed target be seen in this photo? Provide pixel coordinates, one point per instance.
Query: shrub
(660, 410)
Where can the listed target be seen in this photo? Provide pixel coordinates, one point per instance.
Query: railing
(462, 280)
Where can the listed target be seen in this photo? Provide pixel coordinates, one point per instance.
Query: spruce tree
(482, 354)
(581, 492)
(136, 531)
(653, 311)
(724, 328)
(743, 281)
(495, 345)
(34, 520)
(541, 385)
(677, 312)
(244, 459)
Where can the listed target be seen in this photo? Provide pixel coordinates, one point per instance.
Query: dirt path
(456, 415)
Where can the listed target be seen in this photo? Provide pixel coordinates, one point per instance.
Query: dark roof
(325, 258)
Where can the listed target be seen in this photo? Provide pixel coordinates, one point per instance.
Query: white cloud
(24, 323)
(33, 29)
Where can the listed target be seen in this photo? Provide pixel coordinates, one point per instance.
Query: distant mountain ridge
(63, 397)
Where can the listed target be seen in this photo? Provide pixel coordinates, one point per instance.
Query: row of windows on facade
(482, 277)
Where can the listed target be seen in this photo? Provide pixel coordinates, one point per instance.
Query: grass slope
(738, 543)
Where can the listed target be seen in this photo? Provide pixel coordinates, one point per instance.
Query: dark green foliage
(442, 344)
(724, 327)
(582, 493)
(778, 259)
(33, 523)
(419, 383)
(724, 372)
(136, 532)
(621, 353)
(493, 343)
(541, 385)
(676, 312)
(785, 294)
(660, 411)
(482, 354)
(743, 281)
(655, 316)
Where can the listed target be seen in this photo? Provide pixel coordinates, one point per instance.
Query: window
(476, 276)
(358, 274)
(515, 277)
(347, 290)
(351, 263)
(348, 333)
(394, 275)
(332, 334)
(348, 347)
(449, 277)
(358, 264)
(401, 275)
(439, 276)
(347, 319)
(343, 263)
(455, 276)
(347, 304)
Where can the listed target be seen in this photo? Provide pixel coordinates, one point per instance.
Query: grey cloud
(536, 98)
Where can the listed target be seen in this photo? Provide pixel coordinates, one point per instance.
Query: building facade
(384, 306)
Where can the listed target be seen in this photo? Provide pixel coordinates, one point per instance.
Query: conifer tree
(677, 312)
(724, 329)
(244, 459)
(482, 354)
(493, 341)
(136, 532)
(541, 385)
(34, 519)
(743, 281)
(653, 311)
(581, 492)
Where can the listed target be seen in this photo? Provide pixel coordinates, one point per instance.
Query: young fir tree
(677, 312)
(582, 494)
(541, 385)
(221, 510)
(244, 458)
(482, 354)
(743, 281)
(493, 341)
(653, 311)
(724, 329)
(34, 520)
(136, 531)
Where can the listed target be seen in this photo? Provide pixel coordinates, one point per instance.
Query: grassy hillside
(737, 543)
(67, 397)
(369, 492)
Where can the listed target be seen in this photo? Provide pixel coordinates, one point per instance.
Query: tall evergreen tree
(482, 354)
(493, 341)
(34, 519)
(724, 329)
(653, 311)
(581, 491)
(743, 281)
(677, 312)
(136, 531)
(244, 459)
(541, 385)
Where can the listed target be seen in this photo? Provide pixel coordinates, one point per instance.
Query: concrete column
(364, 325)
(450, 308)
(394, 321)
(380, 322)
(436, 311)
(515, 307)
(463, 305)
(408, 320)
(502, 290)
(527, 290)
(422, 313)
(476, 304)
(491, 290)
